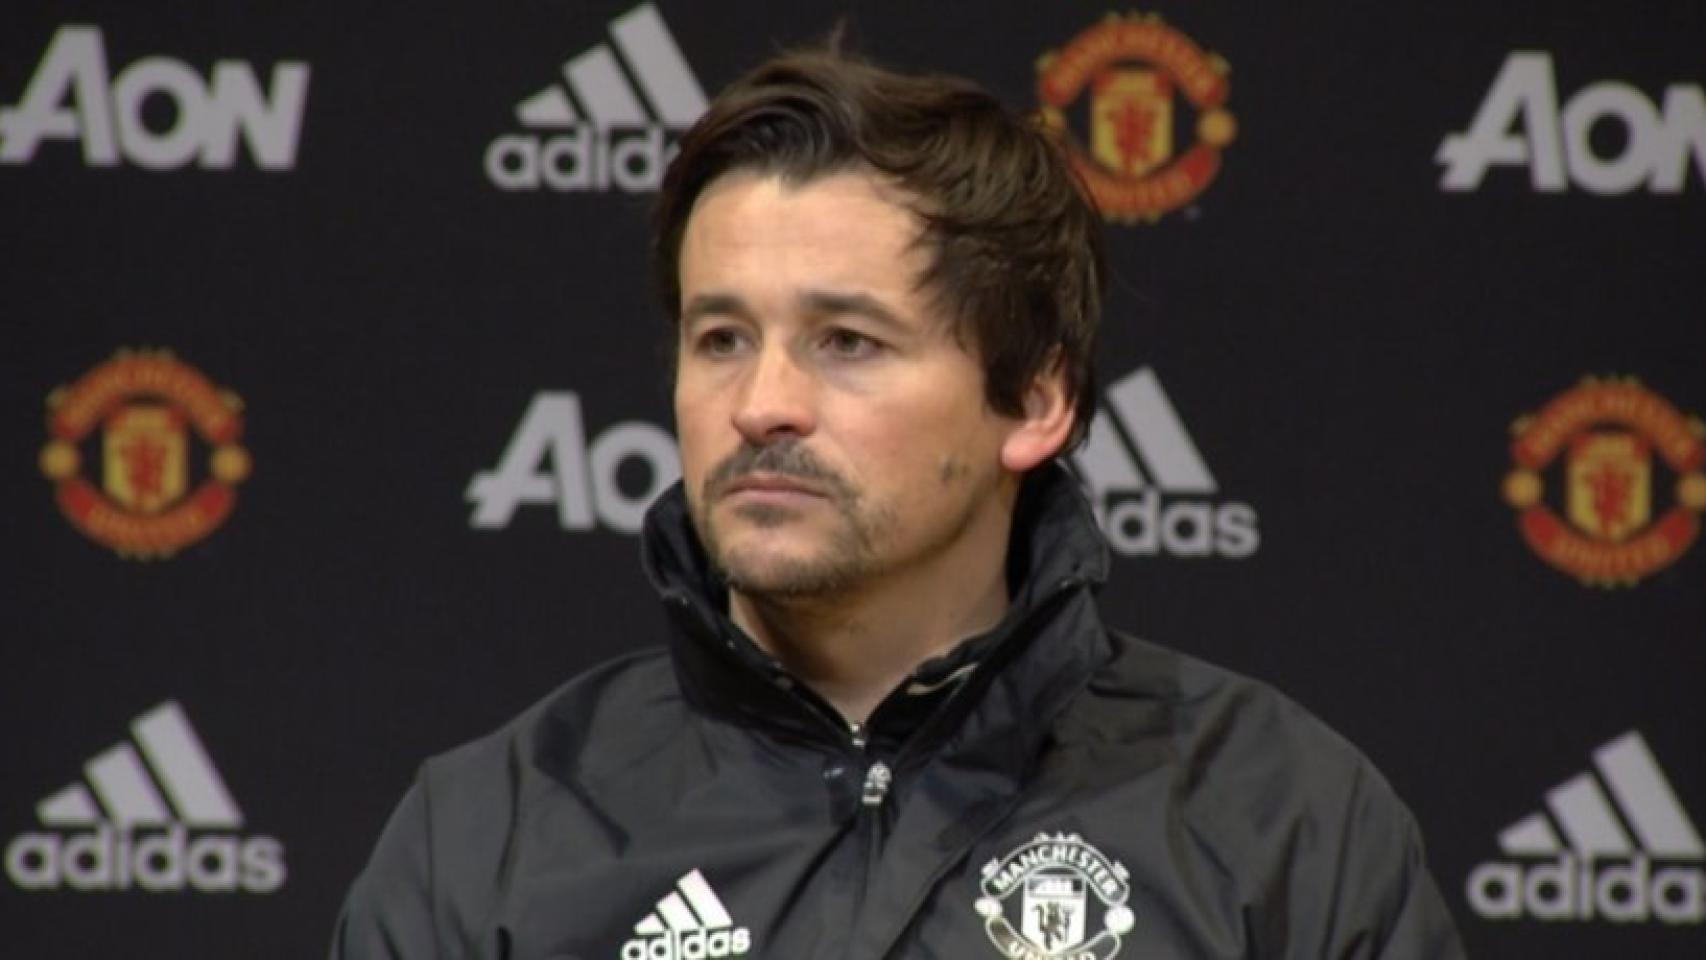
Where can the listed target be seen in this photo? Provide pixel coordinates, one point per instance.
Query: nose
(777, 398)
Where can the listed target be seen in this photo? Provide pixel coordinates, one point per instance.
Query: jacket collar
(1056, 559)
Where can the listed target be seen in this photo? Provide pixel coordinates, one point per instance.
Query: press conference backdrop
(333, 394)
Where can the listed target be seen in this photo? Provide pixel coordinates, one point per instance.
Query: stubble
(846, 554)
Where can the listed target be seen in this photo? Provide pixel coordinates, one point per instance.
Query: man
(889, 722)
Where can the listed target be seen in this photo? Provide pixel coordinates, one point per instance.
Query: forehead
(850, 226)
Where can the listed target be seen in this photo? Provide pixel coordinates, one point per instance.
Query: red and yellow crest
(1608, 444)
(1137, 70)
(142, 416)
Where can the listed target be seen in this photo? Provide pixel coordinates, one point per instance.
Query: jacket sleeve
(388, 914)
(1385, 903)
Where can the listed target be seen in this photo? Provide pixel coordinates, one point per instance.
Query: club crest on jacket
(1038, 901)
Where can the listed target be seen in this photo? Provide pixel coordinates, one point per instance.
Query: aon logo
(1522, 124)
(549, 461)
(70, 97)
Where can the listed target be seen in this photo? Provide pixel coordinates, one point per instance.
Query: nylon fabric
(1168, 808)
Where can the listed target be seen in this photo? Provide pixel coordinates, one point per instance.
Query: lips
(759, 484)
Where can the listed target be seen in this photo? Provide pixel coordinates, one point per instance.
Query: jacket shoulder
(598, 722)
(579, 728)
(440, 862)
(1278, 800)
(1243, 751)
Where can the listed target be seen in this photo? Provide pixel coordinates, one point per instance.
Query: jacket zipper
(874, 789)
(878, 776)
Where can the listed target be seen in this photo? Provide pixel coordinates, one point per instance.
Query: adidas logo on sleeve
(690, 923)
(610, 141)
(133, 831)
(1138, 422)
(1628, 857)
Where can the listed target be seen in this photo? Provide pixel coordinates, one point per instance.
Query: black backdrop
(1343, 335)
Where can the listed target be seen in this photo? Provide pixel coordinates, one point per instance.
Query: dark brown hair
(1016, 249)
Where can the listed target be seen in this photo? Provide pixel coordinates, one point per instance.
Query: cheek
(695, 435)
(908, 446)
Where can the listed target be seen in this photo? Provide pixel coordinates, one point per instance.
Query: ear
(1045, 422)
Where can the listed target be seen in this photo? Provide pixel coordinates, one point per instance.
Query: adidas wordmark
(611, 141)
(135, 838)
(689, 923)
(1630, 857)
(1139, 422)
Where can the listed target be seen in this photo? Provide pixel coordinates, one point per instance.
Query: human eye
(845, 344)
(718, 341)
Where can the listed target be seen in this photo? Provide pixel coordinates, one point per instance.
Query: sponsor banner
(338, 563)
(1142, 112)
(1169, 504)
(126, 443)
(1614, 845)
(216, 118)
(551, 462)
(153, 816)
(593, 131)
(1523, 122)
(1606, 444)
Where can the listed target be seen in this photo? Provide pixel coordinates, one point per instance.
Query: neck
(855, 646)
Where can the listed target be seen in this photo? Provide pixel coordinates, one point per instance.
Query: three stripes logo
(1170, 509)
(131, 838)
(690, 923)
(1629, 857)
(610, 140)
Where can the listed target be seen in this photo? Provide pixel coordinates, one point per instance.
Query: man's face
(833, 430)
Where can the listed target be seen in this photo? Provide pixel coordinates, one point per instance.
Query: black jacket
(1050, 790)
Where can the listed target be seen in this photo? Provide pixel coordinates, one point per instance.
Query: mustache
(788, 458)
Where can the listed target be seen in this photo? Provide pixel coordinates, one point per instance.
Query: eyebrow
(819, 302)
(709, 304)
(857, 304)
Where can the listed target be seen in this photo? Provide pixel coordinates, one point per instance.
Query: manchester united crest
(1053, 898)
(144, 453)
(1607, 480)
(1153, 104)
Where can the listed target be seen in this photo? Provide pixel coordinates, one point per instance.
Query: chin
(764, 572)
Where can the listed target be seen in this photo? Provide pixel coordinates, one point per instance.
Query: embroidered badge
(1039, 902)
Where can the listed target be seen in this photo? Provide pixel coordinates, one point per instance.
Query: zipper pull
(877, 780)
(858, 734)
